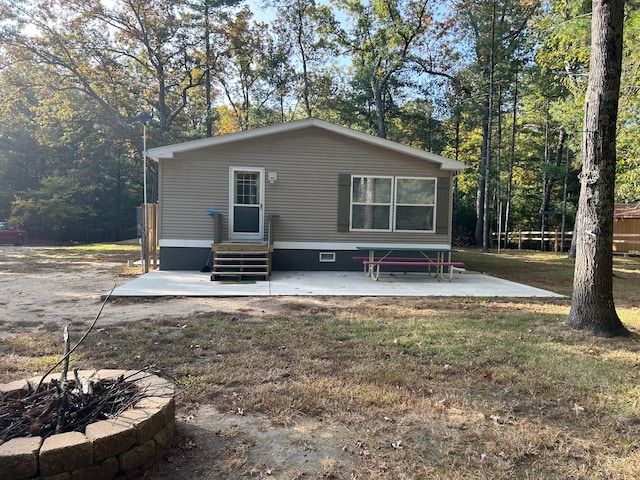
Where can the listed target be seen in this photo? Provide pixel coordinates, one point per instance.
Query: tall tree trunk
(207, 71)
(479, 231)
(573, 246)
(486, 220)
(486, 230)
(378, 98)
(546, 182)
(306, 88)
(593, 307)
(512, 156)
(498, 155)
(549, 183)
(564, 201)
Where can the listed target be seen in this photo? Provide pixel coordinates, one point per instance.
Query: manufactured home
(307, 192)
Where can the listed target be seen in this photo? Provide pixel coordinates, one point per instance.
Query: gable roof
(630, 210)
(169, 151)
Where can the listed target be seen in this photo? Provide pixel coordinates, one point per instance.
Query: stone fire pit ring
(123, 446)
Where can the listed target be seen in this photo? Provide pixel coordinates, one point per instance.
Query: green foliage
(380, 36)
(628, 159)
(74, 85)
(65, 174)
(55, 206)
(564, 35)
(564, 53)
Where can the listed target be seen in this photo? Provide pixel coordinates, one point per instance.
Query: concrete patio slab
(160, 283)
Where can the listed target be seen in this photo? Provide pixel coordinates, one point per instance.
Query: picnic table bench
(436, 260)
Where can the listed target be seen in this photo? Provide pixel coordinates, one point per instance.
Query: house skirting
(196, 258)
(184, 258)
(316, 260)
(200, 259)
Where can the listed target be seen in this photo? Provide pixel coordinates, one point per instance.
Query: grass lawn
(452, 388)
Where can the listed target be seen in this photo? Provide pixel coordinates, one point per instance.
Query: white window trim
(434, 205)
(260, 206)
(390, 205)
(393, 205)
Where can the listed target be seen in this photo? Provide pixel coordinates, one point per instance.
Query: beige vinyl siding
(305, 195)
(187, 189)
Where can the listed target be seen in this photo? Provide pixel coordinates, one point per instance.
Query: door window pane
(246, 188)
(246, 219)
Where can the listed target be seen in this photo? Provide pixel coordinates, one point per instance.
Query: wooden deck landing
(241, 261)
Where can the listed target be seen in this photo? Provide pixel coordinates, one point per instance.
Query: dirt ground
(45, 296)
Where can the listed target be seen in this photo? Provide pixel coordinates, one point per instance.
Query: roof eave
(169, 151)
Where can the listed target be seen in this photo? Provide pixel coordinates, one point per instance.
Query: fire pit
(124, 445)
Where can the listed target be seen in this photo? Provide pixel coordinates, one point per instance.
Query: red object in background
(12, 235)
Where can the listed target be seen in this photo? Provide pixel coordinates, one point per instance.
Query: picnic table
(437, 260)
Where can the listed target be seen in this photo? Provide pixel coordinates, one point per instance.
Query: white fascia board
(169, 151)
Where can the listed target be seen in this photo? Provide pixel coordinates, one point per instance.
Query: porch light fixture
(272, 177)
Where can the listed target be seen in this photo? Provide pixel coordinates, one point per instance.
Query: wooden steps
(240, 261)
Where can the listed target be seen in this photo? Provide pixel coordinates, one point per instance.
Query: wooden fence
(626, 243)
(149, 236)
(553, 241)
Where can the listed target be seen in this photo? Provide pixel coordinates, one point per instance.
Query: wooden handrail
(271, 229)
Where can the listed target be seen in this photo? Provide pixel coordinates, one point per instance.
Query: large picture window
(415, 204)
(393, 203)
(371, 203)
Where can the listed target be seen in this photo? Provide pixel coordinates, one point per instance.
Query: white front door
(246, 214)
